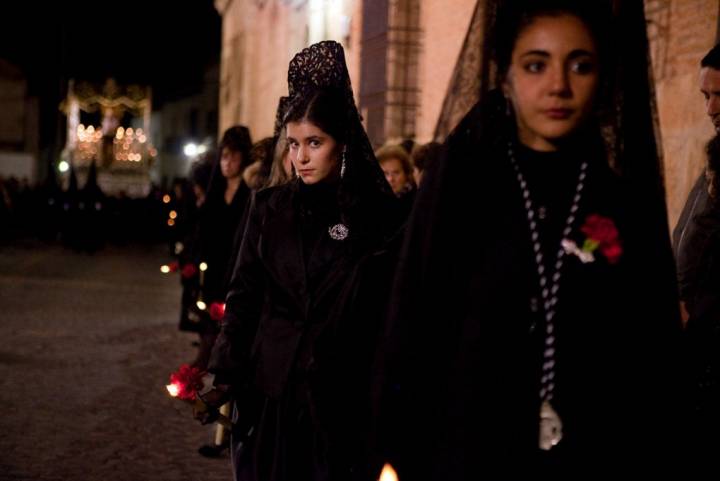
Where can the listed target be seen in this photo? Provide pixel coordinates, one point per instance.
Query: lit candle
(388, 474)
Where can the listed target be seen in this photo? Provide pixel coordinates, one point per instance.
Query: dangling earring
(342, 165)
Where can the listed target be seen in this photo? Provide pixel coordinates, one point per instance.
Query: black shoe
(212, 450)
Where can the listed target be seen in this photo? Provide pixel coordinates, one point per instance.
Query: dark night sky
(166, 44)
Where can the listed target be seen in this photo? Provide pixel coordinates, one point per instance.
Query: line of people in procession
(515, 317)
(83, 218)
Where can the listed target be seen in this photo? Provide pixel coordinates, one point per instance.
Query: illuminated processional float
(110, 127)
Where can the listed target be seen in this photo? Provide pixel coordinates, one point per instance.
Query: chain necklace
(550, 422)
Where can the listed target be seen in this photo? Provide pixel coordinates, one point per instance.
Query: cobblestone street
(87, 345)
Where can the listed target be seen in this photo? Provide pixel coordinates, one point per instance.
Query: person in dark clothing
(696, 242)
(92, 206)
(422, 157)
(304, 305)
(534, 330)
(397, 166)
(186, 249)
(220, 218)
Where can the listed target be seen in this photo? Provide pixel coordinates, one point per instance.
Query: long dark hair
(712, 149)
(514, 17)
(237, 139)
(323, 107)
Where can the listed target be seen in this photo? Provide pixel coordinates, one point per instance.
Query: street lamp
(191, 149)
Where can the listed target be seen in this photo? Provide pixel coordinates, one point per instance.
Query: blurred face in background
(394, 174)
(710, 88)
(230, 163)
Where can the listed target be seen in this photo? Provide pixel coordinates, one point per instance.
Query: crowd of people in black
(84, 218)
(500, 306)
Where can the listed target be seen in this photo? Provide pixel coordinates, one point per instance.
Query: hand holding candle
(186, 385)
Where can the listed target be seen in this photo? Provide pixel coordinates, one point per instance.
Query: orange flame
(388, 473)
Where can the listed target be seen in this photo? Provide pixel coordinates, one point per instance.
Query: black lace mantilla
(322, 66)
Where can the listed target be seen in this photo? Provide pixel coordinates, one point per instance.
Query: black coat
(696, 240)
(460, 389)
(218, 224)
(299, 333)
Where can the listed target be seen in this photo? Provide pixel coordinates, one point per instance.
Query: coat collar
(282, 251)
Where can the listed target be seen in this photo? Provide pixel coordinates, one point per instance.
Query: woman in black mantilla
(534, 329)
(300, 326)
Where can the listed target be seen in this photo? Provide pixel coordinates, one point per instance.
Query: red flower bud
(217, 311)
(189, 270)
(612, 252)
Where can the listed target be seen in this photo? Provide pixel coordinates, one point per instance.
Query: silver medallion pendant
(550, 427)
(339, 232)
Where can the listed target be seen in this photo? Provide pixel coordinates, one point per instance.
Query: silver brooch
(339, 232)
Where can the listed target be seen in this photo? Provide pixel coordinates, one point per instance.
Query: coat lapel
(282, 248)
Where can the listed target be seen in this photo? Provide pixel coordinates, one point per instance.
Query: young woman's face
(552, 80)
(314, 154)
(230, 163)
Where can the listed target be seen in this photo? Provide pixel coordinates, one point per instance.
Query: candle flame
(201, 305)
(164, 268)
(388, 473)
(203, 266)
(173, 389)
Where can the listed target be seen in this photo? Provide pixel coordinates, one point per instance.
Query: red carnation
(189, 270)
(603, 235)
(217, 311)
(600, 229)
(188, 381)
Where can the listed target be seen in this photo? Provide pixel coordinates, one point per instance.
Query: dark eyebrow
(574, 54)
(581, 53)
(541, 53)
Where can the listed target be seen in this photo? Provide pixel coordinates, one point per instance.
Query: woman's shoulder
(275, 196)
